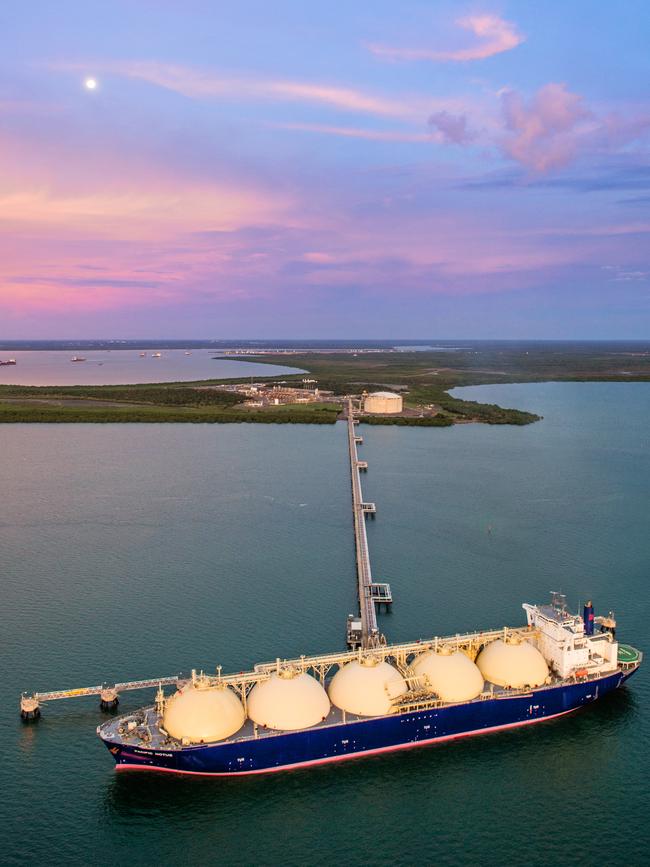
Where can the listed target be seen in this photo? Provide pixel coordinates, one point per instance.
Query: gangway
(109, 694)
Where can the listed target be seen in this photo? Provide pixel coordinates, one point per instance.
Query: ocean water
(141, 550)
(126, 367)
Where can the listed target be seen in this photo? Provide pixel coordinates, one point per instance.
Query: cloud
(618, 274)
(125, 205)
(205, 84)
(453, 128)
(198, 83)
(356, 132)
(494, 35)
(545, 132)
(315, 257)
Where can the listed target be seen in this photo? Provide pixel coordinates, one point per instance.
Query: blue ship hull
(367, 736)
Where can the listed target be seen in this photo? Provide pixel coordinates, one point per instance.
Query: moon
(90, 84)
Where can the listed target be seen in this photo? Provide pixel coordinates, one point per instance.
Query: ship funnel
(588, 617)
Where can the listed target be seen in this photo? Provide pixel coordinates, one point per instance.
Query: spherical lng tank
(513, 663)
(383, 402)
(452, 676)
(203, 714)
(366, 687)
(290, 699)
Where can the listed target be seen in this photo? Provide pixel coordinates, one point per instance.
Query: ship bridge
(564, 642)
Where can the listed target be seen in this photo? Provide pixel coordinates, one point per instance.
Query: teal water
(140, 550)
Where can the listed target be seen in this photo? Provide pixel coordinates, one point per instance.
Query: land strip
(424, 378)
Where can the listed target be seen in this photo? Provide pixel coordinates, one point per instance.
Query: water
(140, 550)
(126, 367)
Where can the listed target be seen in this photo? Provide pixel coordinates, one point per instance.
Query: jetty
(363, 631)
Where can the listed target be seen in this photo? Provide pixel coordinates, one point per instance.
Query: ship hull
(366, 737)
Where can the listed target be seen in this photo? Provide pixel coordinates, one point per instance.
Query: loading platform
(381, 593)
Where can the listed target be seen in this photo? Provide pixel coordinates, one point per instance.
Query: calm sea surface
(125, 367)
(140, 550)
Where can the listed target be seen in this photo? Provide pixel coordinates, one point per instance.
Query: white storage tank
(383, 402)
(202, 714)
(290, 699)
(366, 687)
(452, 676)
(513, 663)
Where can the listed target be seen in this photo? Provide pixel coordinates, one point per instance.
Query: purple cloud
(452, 127)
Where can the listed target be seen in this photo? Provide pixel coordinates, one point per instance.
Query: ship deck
(141, 728)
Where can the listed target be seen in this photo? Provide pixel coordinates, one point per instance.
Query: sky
(270, 168)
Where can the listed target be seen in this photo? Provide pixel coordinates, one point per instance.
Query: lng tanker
(312, 710)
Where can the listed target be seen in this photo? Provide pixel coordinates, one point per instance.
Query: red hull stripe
(360, 754)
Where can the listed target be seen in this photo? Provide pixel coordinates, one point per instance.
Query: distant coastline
(424, 372)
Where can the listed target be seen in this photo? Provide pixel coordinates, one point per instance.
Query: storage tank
(202, 714)
(513, 663)
(452, 676)
(290, 699)
(383, 402)
(366, 686)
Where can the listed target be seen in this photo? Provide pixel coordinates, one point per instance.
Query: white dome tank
(366, 687)
(288, 700)
(513, 662)
(452, 676)
(203, 714)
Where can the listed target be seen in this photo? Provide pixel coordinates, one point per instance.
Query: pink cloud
(316, 257)
(97, 192)
(493, 35)
(357, 132)
(545, 132)
(198, 83)
(204, 84)
(141, 213)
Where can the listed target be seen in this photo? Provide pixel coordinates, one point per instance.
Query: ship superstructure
(568, 640)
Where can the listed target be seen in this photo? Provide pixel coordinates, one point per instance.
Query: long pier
(369, 592)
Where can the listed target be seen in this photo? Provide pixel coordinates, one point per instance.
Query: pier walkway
(99, 690)
(369, 592)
